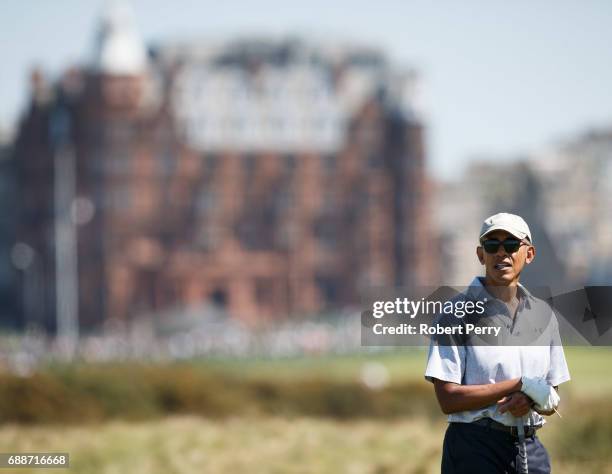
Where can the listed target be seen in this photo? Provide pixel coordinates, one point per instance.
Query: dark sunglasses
(510, 245)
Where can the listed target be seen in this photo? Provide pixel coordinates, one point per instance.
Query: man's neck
(506, 293)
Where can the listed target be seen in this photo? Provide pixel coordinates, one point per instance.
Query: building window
(290, 163)
(329, 164)
(326, 231)
(284, 200)
(118, 131)
(264, 291)
(250, 164)
(209, 236)
(330, 202)
(117, 163)
(286, 235)
(211, 163)
(219, 298)
(118, 198)
(256, 228)
(206, 201)
(375, 161)
(329, 289)
(166, 163)
(363, 200)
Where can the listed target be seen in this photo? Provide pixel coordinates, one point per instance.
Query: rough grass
(258, 445)
(273, 444)
(88, 394)
(275, 416)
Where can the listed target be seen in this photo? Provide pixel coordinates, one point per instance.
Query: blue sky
(500, 78)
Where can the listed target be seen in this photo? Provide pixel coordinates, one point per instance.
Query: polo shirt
(478, 364)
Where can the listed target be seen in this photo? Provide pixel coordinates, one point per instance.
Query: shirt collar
(477, 290)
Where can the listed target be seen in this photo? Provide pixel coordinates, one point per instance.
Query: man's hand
(517, 403)
(546, 397)
(549, 412)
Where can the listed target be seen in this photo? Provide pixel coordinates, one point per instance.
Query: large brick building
(271, 177)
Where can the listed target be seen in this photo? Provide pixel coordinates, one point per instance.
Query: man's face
(503, 268)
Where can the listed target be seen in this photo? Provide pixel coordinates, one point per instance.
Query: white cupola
(118, 50)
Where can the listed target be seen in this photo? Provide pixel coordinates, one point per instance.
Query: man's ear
(531, 252)
(480, 254)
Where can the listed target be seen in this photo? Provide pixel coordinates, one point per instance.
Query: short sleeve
(445, 362)
(558, 371)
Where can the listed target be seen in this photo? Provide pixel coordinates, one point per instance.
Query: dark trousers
(473, 449)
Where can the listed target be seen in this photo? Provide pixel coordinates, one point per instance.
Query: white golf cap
(511, 223)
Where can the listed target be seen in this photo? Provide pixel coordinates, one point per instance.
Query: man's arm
(519, 404)
(454, 397)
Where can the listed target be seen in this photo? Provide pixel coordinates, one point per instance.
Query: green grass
(591, 370)
(295, 443)
(590, 367)
(403, 365)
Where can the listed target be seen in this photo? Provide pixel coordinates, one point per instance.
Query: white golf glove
(544, 395)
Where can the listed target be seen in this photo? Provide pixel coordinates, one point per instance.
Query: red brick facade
(263, 234)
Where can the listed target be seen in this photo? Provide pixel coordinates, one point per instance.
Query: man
(495, 395)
